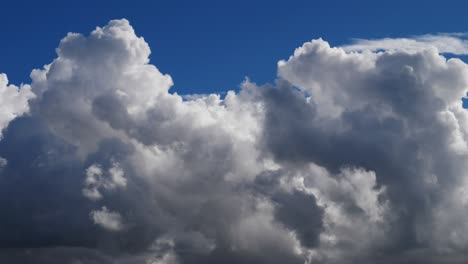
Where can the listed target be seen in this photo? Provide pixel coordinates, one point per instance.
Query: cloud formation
(453, 43)
(349, 157)
(96, 180)
(13, 101)
(111, 221)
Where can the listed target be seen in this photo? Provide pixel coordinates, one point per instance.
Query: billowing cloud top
(350, 157)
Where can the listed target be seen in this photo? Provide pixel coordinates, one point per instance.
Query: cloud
(348, 157)
(453, 43)
(96, 180)
(108, 220)
(13, 101)
(3, 162)
(395, 113)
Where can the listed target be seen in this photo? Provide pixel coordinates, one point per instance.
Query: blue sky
(210, 46)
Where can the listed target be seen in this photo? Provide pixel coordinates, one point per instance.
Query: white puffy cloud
(108, 220)
(96, 180)
(349, 157)
(13, 101)
(396, 113)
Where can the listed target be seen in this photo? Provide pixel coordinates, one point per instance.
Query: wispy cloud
(453, 43)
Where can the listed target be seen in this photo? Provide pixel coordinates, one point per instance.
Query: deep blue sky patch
(210, 46)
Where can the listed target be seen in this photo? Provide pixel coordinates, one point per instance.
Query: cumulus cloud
(96, 180)
(349, 157)
(108, 220)
(13, 101)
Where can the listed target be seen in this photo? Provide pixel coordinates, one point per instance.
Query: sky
(206, 133)
(193, 39)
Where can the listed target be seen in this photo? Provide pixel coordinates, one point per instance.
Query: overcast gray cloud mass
(349, 157)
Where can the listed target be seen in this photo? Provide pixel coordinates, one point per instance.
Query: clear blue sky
(210, 46)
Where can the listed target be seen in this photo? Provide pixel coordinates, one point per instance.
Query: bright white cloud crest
(351, 157)
(13, 101)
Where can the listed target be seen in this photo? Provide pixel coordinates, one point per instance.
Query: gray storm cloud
(349, 157)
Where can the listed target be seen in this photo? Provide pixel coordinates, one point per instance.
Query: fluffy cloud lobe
(349, 157)
(13, 101)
